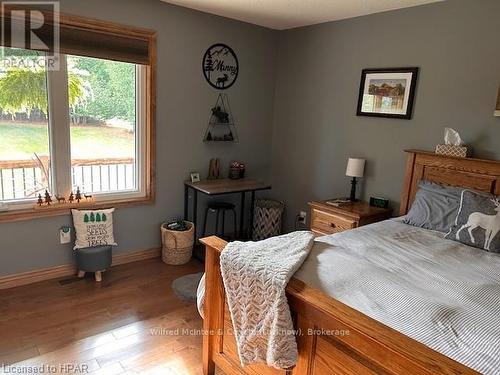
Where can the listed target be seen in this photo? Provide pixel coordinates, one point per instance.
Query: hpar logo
(30, 25)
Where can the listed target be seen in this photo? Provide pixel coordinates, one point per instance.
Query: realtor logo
(30, 25)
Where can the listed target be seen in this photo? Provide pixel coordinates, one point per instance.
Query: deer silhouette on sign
(221, 81)
(490, 223)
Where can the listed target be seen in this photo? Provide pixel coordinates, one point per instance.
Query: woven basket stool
(93, 259)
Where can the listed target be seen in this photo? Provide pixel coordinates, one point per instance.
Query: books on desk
(338, 202)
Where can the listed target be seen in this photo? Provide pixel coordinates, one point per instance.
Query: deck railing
(27, 178)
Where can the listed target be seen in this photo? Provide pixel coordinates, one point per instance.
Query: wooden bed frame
(369, 347)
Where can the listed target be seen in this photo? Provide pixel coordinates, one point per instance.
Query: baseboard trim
(30, 277)
(136, 256)
(35, 276)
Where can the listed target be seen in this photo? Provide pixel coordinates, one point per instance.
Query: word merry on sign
(220, 66)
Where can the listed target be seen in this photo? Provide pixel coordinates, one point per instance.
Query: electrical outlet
(302, 217)
(64, 235)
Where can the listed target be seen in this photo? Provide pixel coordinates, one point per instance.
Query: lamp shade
(355, 167)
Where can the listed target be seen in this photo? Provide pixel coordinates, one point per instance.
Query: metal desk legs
(186, 201)
(195, 213)
(195, 207)
(250, 230)
(242, 214)
(242, 231)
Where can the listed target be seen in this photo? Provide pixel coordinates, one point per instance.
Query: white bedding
(439, 292)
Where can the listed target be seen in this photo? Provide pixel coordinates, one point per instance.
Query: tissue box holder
(451, 150)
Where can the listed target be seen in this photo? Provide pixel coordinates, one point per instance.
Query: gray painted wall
(184, 100)
(455, 44)
(295, 104)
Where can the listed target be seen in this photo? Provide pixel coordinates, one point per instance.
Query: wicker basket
(267, 219)
(177, 245)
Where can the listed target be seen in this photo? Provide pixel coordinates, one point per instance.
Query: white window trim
(60, 141)
(59, 130)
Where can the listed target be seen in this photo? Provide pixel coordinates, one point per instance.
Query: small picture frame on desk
(195, 177)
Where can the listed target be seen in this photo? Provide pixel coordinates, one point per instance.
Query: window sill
(32, 213)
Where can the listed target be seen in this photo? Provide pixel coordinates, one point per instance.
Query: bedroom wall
(296, 95)
(184, 100)
(455, 44)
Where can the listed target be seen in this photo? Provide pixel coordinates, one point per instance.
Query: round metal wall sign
(220, 66)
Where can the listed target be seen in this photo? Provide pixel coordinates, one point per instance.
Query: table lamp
(355, 169)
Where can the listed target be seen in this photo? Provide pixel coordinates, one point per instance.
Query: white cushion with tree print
(93, 228)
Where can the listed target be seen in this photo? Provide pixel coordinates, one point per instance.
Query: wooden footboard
(335, 339)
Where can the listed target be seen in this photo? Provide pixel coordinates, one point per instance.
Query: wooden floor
(107, 328)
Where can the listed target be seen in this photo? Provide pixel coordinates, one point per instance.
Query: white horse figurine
(490, 223)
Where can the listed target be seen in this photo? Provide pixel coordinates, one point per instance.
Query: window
(103, 127)
(24, 130)
(87, 125)
(99, 115)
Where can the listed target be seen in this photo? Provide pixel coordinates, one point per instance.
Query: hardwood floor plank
(82, 344)
(131, 322)
(114, 369)
(185, 358)
(14, 356)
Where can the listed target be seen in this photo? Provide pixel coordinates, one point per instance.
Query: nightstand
(327, 219)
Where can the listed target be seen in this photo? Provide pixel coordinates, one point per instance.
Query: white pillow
(93, 228)
(200, 297)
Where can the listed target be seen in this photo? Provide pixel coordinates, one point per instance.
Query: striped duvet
(439, 292)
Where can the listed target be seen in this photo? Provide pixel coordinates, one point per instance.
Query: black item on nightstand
(355, 168)
(379, 202)
(352, 198)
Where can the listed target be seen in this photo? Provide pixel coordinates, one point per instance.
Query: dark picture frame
(395, 100)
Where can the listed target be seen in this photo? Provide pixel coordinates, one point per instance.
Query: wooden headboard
(477, 174)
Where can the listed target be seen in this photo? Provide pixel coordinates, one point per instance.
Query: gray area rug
(185, 287)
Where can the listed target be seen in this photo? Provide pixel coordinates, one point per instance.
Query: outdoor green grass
(23, 141)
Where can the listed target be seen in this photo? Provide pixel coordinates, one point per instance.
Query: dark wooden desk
(220, 187)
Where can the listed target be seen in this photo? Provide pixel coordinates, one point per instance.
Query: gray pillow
(435, 206)
(478, 221)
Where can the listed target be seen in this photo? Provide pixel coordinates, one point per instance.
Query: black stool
(219, 207)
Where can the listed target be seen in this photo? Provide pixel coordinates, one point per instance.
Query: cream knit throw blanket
(255, 276)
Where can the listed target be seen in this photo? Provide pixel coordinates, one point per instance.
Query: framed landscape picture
(387, 92)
